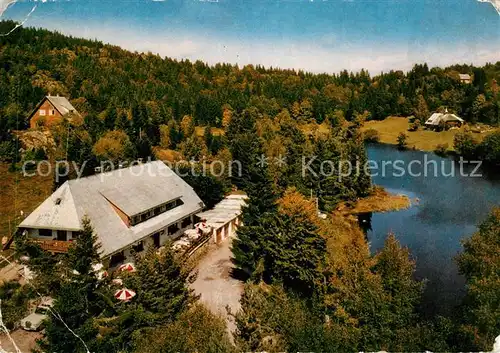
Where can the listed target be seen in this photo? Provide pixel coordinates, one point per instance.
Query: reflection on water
(365, 221)
(449, 209)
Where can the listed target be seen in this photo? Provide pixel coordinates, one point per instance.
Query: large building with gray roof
(131, 208)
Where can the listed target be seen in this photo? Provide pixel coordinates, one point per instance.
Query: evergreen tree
(421, 110)
(196, 330)
(294, 327)
(284, 247)
(79, 301)
(210, 189)
(208, 137)
(327, 171)
(161, 285)
(480, 264)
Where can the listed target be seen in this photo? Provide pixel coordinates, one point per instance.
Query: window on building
(173, 228)
(45, 232)
(134, 220)
(42, 112)
(117, 259)
(62, 235)
(138, 247)
(52, 112)
(186, 222)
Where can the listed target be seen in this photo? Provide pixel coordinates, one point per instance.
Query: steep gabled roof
(84, 196)
(62, 104)
(451, 117)
(436, 118)
(58, 211)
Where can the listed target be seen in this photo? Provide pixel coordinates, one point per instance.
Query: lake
(448, 209)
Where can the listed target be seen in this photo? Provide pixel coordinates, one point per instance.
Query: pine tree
(283, 247)
(403, 293)
(480, 264)
(208, 137)
(79, 300)
(421, 110)
(324, 171)
(271, 319)
(161, 285)
(196, 330)
(210, 189)
(294, 254)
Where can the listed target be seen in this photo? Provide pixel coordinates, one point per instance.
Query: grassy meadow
(19, 193)
(424, 140)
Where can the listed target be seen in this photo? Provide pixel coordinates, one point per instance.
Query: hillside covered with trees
(108, 82)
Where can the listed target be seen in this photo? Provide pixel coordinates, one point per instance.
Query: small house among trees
(465, 78)
(50, 110)
(443, 121)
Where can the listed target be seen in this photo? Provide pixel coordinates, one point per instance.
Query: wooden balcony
(54, 246)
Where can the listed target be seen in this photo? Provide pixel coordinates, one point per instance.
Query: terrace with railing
(54, 246)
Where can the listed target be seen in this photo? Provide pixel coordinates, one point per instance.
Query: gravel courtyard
(215, 284)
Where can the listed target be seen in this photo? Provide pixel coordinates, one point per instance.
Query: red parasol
(129, 267)
(124, 294)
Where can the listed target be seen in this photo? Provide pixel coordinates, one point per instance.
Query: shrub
(466, 145)
(7, 151)
(14, 302)
(490, 148)
(415, 125)
(402, 141)
(371, 135)
(441, 149)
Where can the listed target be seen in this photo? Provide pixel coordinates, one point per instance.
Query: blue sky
(314, 35)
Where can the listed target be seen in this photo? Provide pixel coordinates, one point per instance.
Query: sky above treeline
(313, 35)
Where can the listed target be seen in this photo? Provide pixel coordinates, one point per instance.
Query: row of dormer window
(142, 217)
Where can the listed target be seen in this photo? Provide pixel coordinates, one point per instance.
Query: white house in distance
(445, 120)
(131, 208)
(465, 78)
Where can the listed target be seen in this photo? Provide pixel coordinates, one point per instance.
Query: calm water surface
(449, 208)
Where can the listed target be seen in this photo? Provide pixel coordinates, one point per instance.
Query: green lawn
(425, 140)
(19, 193)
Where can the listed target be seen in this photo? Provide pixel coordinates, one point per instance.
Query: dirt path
(215, 284)
(25, 341)
(11, 272)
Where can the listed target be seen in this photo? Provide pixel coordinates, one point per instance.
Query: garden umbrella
(124, 294)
